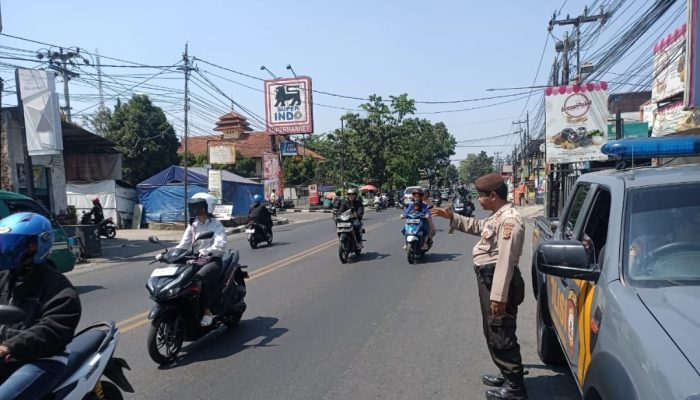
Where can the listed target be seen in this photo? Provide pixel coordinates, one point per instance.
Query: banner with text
(576, 122)
(669, 70)
(289, 106)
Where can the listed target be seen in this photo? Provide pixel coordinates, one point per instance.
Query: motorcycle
(107, 226)
(379, 205)
(347, 242)
(256, 234)
(90, 359)
(461, 208)
(177, 313)
(417, 241)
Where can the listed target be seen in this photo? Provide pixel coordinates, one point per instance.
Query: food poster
(673, 118)
(669, 66)
(576, 122)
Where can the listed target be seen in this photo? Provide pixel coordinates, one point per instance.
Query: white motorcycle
(91, 358)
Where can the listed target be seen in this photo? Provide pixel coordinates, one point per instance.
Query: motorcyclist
(337, 201)
(259, 214)
(469, 206)
(355, 205)
(419, 205)
(201, 206)
(96, 211)
(273, 202)
(33, 351)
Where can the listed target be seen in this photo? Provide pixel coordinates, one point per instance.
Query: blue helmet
(257, 198)
(24, 236)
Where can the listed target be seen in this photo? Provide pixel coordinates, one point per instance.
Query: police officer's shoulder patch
(507, 230)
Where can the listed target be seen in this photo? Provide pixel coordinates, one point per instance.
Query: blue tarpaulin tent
(162, 194)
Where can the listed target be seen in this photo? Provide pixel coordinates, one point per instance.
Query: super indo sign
(289, 106)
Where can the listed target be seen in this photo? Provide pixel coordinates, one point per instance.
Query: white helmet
(209, 199)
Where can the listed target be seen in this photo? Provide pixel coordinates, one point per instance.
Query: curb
(297, 210)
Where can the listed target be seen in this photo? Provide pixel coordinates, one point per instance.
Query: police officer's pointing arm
(469, 225)
(510, 244)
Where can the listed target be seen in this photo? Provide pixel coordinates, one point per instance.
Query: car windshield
(662, 226)
(409, 190)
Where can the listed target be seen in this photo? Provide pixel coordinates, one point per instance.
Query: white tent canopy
(117, 201)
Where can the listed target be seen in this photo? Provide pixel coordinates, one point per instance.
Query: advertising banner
(272, 174)
(222, 153)
(692, 83)
(36, 93)
(215, 183)
(576, 122)
(289, 106)
(289, 149)
(673, 118)
(669, 70)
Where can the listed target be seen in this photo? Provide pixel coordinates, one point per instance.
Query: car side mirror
(11, 315)
(554, 225)
(204, 235)
(153, 239)
(566, 259)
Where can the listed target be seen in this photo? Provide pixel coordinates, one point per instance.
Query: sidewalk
(530, 212)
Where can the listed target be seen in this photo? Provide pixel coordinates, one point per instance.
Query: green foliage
(299, 170)
(98, 122)
(245, 166)
(384, 147)
(475, 166)
(144, 136)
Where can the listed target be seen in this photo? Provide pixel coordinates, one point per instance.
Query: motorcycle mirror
(153, 239)
(205, 235)
(11, 315)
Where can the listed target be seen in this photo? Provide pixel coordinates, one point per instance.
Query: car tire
(548, 348)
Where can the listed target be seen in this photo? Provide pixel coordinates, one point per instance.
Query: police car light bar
(675, 146)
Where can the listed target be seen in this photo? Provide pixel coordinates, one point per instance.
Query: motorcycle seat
(82, 347)
(228, 261)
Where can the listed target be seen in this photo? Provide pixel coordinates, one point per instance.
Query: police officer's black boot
(512, 389)
(493, 380)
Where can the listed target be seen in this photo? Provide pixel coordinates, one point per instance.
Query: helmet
(24, 236)
(201, 201)
(419, 191)
(96, 200)
(352, 191)
(257, 198)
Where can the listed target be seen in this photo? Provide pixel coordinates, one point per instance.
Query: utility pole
(58, 61)
(342, 155)
(186, 68)
(99, 81)
(576, 22)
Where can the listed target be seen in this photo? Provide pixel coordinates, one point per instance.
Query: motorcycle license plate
(413, 221)
(165, 271)
(250, 231)
(344, 224)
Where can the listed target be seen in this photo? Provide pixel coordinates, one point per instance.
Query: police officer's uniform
(496, 257)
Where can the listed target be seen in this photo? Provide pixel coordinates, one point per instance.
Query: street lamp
(264, 68)
(289, 67)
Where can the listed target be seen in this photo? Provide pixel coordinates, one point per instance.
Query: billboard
(576, 122)
(36, 94)
(692, 84)
(272, 174)
(674, 118)
(289, 106)
(669, 68)
(222, 153)
(215, 183)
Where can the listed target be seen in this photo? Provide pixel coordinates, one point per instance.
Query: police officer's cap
(489, 183)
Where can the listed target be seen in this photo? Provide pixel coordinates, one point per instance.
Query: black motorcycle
(107, 226)
(347, 242)
(459, 206)
(177, 313)
(256, 234)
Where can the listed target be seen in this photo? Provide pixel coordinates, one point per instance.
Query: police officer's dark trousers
(500, 331)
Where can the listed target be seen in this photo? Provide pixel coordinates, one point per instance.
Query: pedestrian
(501, 285)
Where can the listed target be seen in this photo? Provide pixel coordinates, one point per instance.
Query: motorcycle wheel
(342, 254)
(166, 335)
(105, 390)
(410, 253)
(110, 232)
(232, 320)
(269, 240)
(253, 243)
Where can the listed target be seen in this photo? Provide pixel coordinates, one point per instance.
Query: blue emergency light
(672, 146)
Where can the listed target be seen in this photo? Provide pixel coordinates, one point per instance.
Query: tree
(144, 136)
(98, 122)
(299, 170)
(448, 176)
(475, 166)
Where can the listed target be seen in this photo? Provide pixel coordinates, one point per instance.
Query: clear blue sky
(440, 50)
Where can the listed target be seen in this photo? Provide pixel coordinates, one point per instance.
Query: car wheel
(548, 348)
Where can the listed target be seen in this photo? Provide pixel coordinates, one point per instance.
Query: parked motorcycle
(177, 313)
(256, 234)
(415, 228)
(90, 360)
(107, 226)
(347, 242)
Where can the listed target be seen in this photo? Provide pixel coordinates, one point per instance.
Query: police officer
(501, 286)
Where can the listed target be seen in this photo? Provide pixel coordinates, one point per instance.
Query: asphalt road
(377, 328)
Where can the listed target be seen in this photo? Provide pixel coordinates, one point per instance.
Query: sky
(433, 51)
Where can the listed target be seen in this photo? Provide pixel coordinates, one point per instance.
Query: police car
(617, 277)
